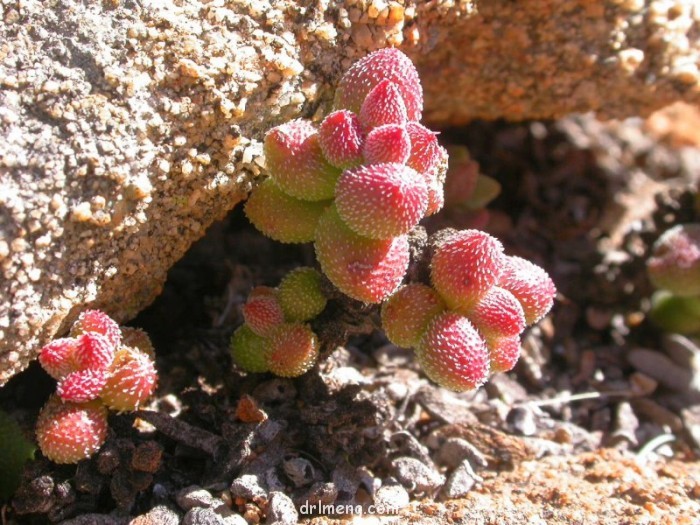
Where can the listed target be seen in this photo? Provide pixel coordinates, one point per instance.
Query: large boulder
(130, 126)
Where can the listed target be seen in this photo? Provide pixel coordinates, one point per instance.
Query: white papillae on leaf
(388, 143)
(465, 266)
(383, 105)
(381, 201)
(82, 385)
(498, 314)
(503, 353)
(366, 73)
(262, 311)
(530, 285)
(368, 270)
(341, 139)
(453, 354)
(300, 294)
(296, 162)
(408, 312)
(96, 321)
(131, 380)
(281, 217)
(69, 432)
(293, 350)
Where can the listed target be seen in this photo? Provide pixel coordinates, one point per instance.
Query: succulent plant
(131, 380)
(293, 350)
(341, 139)
(262, 311)
(530, 285)
(498, 314)
(295, 160)
(94, 351)
(384, 104)
(82, 385)
(674, 264)
(389, 143)
(368, 270)
(58, 357)
(381, 201)
(465, 266)
(96, 321)
(66, 356)
(274, 339)
(430, 159)
(68, 432)
(281, 217)
(407, 313)
(93, 369)
(248, 350)
(503, 353)
(356, 187)
(675, 313)
(300, 294)
(426, 152)
(453, 354)
(384, 64)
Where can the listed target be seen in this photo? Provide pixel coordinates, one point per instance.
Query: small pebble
(626, 424)
(269, 429)
(396, 391)
(273, 481)
(691, 421)
(391, 496)
(455, 450)
(416, 476)
(247, 487)
(281, 510)
(660, 415)
(460, 481)
(220, 516)
(195, 496)
(346, 480)
(300, 471)
(522, 421)
(147, 457)
(445, 406)
(657, 366)
(318, 494)
(682, 350)
(160, 515)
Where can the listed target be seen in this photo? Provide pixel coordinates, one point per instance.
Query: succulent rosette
(372, 161)
(101, 366)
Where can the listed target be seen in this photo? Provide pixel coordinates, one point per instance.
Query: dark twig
(184, 433)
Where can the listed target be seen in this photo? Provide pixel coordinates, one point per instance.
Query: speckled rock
(129, 127)
(554, 57)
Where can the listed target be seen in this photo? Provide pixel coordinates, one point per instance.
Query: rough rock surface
(130, 126)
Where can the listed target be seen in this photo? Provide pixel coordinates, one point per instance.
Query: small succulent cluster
(674, 268)
(467, 325)
(355, 186)
(101, 366)
(358, 183)
(467, 191)
(275, 337)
